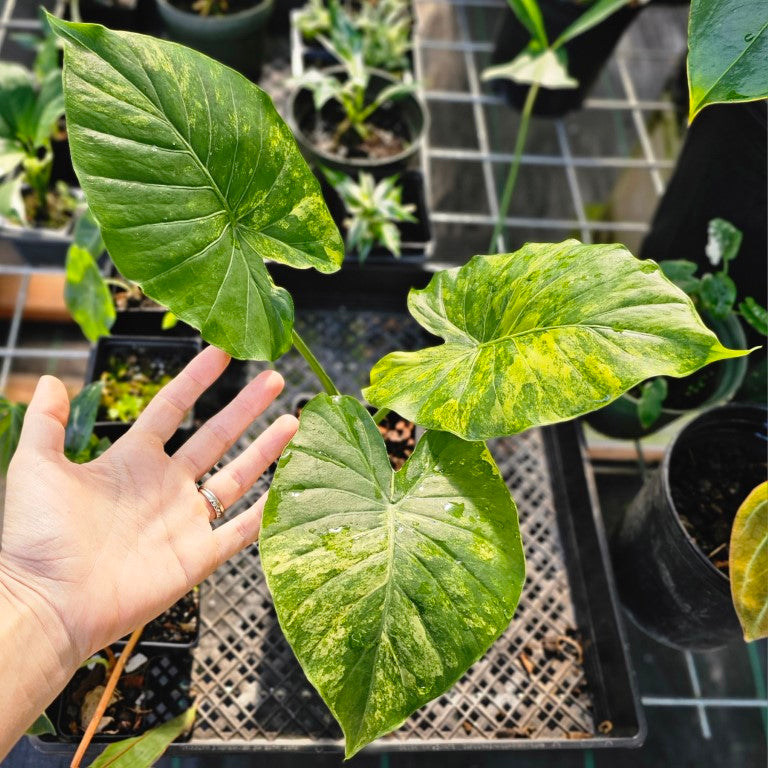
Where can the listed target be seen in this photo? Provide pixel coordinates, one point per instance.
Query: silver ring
(212, 499)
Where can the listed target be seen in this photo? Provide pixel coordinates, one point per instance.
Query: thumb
(46, 419)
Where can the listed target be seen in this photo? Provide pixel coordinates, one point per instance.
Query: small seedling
(374, 210)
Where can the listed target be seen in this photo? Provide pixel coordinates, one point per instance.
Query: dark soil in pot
(587, 54)
(149, 692)
(708, 483)
(179, 626)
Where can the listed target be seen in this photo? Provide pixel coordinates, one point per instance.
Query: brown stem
(105, 697)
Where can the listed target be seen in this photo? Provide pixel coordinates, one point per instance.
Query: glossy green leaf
(755, 314)
(681, 273)
(195, 180)
(748, 563)
(727, 52)
(652, 396)
(86, 294)
(11, 419)
(41, 726)
(529, 15)
(142, 751)
(594, 15)
(541, 335)
(548, 68)
(82, 417)
(388, 585)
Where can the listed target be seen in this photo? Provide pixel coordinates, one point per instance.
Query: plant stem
(380, 415)
(314, 364)
(105, 697)
(509, 187)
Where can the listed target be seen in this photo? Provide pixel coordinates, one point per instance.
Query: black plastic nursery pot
(153, 689)
(236, 38)
(714, 384)
(406, 117)
(668, 583)
(415, 237)
(587, 54)
(158, 356)
(39, 247)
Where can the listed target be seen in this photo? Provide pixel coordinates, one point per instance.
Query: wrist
(31, 628)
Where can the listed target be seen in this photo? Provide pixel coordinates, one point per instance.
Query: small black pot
(165, 694)
(39, 247)
(666, 582)
(415, 237)
(587, 54)
(409, 112)
(620, 419)
(136, 16)
(150, 637)
(181, 350)
(235, 39)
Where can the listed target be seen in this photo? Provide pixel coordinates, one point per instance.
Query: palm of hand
(106, 546)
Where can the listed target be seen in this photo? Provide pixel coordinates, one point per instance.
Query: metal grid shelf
(610, 142)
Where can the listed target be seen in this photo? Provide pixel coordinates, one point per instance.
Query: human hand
(95, 550)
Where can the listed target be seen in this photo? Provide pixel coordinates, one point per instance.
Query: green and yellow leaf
(748, 563)
(538, 336)
(195, 181)
(388, 585)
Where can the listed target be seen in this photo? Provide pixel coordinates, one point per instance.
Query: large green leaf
(541, 335)
(727, 52)
(11, 419)
(748, 563)
(142, 751)
(195, 180)
(388, 585)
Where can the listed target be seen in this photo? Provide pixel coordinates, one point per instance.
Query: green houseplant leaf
(541, 335)
(194, 180)
(748, 563)
(727, 52)
(388, 585)
(142, 751)
(594, 15)
(42, 725)
(11, 419)
(82, 417)
(529, 15)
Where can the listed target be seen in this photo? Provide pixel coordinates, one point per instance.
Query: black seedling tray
(183, 349)
(415, 237)
(166, 692)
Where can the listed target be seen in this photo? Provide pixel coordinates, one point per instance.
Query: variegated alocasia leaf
(727, 52)
(194, 180)
(748, 563)
(538, 336)
(388, 585)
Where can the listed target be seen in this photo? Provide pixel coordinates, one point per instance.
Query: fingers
(237, 477)
(45, 422)
(238, 533)
(219, 433)
(169, 407)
